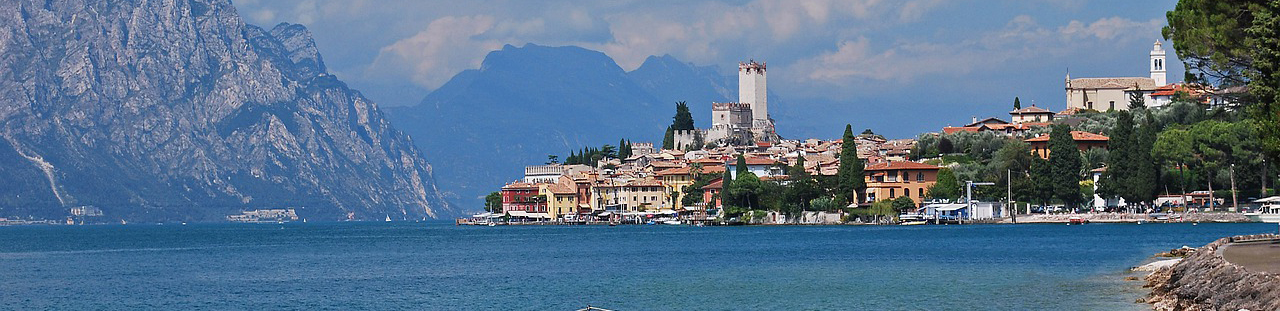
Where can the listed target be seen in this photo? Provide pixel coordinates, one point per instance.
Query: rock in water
(178, 110)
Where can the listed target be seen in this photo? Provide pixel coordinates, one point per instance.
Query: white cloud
(1021, 39)
(433, 55)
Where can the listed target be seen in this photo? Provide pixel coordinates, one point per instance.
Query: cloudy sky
(900, 67)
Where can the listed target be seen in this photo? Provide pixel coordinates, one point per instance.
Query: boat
(913, 223)
(1077, 220)
(671, 222)
(1269, 212)
(388, 218)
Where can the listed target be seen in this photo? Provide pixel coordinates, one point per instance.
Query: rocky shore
(1206, 280)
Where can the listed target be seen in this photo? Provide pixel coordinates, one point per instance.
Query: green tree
(669, 139)
(609, 151)
(1120, 162)
(850, 173)
(1137, 101)
(1064, 161)
(945, 146)
(740, 167)
(1017, 104)
(623, 149)
(1143, 182)
(904, 204)
(1041, 181)
(493, 202)
(947, 186)
(683, 120)
(553, 159)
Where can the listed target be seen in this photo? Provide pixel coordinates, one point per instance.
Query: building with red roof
(1084, 141)
(890, 180)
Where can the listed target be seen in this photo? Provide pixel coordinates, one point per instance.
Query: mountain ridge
(178, 110)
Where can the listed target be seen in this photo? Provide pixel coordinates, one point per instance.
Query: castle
(743, 122)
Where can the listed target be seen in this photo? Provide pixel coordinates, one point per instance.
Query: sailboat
(388, 218)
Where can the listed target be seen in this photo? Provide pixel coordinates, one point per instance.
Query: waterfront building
(542, 173)
(561, 197)
(523, 197)
(890, 180)
(1084, 141)
(677, 179)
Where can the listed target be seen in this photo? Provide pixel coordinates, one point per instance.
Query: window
(891, 192)
(920, 176)
(906, 192)
(920, 193)
(1113, 105)
(1089, 105)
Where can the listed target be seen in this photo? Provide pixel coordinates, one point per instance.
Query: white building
(1104, 94)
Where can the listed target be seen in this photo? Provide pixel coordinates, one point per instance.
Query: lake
(439, 266)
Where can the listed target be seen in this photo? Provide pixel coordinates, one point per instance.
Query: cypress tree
(1120, 160)
(1146, 173)
(669, 140)
(1065, 163)
(741, 166)
(1016, 103)
(1041, 181)
(850, 178)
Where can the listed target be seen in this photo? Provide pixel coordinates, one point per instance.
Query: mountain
(523, 104)
(671, 80)
(178, 110)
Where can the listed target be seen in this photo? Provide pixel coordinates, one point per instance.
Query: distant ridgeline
(525, 103)
(178, 110)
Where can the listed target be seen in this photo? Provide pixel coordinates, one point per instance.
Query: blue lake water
(439, 266)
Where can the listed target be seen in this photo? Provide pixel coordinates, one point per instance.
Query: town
(1133, 153)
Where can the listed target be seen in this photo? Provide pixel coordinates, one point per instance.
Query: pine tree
(1137, 101)
(851, 182)
(1065, 163)
(1016, 103)
(741, 166)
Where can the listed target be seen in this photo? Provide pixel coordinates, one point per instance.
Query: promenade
(1261, 256)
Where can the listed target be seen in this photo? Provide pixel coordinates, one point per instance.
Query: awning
(1273, 199)
(605, 214)
(949, 207)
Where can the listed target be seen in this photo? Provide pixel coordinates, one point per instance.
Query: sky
(898, 67)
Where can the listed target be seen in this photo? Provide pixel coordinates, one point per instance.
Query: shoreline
(1207, 280)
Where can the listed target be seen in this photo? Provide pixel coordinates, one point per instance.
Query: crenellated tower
(752, 90)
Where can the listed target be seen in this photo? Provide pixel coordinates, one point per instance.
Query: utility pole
(1235, 204)
(1008, 181)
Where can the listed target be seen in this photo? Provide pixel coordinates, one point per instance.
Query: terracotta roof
(1031, 110)
(715, 184)
(1113, 83)
(952, 130)
(561, 189)
(515, 185)
(754, 161)
(984, 121)
(1075, 135)
(764, 144)
(1071, 111)
(775, 177)
(647, 182)
(884, 166)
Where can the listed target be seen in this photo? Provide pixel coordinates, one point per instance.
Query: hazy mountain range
(178, 110)
(524, 103)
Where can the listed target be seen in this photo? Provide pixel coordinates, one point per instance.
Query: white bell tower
(1157, 64)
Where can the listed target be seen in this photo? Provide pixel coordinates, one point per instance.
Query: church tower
(751, 90)
(1157, 64)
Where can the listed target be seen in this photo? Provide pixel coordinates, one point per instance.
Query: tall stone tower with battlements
(748, 119)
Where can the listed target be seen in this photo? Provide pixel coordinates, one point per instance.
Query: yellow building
(676, 179)
(890, 180)
(561, 199)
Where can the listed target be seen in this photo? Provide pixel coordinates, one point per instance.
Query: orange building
(1084, 141)
(890, 180)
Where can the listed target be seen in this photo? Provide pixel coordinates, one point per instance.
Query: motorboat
(1269, 211)
(914, 223)
(1077, 220)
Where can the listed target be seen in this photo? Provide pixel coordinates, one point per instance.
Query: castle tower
(1157, 64)
(751, 90)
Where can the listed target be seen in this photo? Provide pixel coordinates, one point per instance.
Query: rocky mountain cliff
(178, 110)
